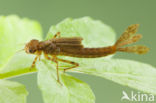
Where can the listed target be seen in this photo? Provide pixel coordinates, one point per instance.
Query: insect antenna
(19, 50)
(19, 45)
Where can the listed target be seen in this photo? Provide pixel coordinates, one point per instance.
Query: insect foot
(59, 82)
(32, 66)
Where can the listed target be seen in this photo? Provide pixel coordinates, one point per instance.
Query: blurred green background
(116, 13)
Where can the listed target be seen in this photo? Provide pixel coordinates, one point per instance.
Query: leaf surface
(71, 90)
(14, 34)
(12, 92)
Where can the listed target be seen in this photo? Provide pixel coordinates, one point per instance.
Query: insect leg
(58, 34)
(57, 70)
(33, 64)
(70, 62)
(54, 59)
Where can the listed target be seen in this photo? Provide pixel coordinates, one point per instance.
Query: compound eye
(31, 51)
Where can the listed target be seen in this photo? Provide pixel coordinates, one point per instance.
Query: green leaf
(19, 64)
(94, 32)
(14, 33)
(71, 90)
(133, 74)
(12, 92)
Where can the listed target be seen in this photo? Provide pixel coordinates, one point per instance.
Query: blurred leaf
(12, 92)
(133, 74)
(20, 63)
(71, 90)
(14, 33)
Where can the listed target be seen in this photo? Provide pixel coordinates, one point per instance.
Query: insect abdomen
(89, 52)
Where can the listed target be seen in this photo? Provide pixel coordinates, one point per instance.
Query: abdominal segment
(88, 52)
